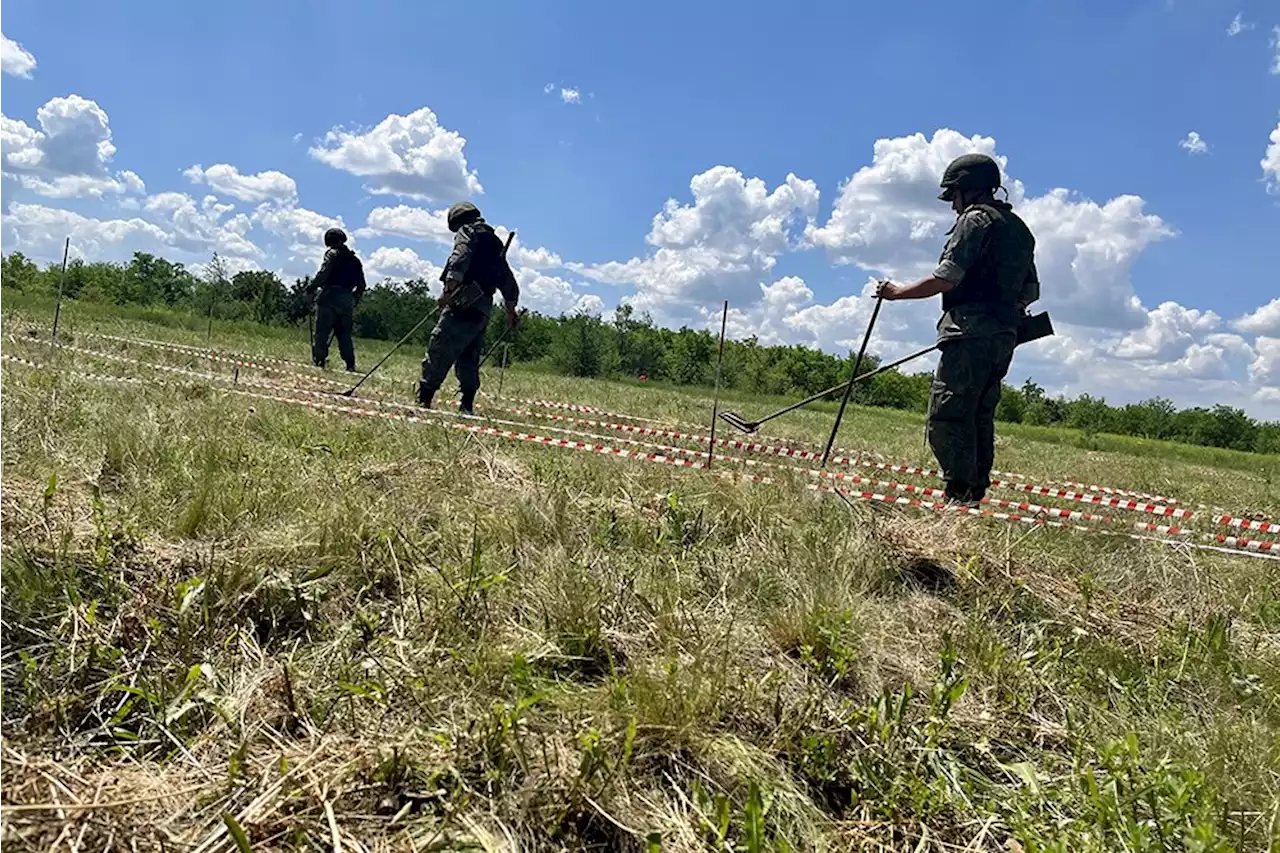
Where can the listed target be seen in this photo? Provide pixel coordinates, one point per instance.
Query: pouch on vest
(1033, 327)
(463, 295)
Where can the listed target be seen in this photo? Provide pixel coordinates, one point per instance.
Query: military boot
(425, 395)
(467, 403)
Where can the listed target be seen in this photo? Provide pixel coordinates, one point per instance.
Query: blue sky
(1162, 261)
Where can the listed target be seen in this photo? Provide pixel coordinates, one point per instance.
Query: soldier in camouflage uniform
(340, 283)
(987, 278)
(477, 268)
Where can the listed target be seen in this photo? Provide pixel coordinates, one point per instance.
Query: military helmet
(969, 172)
(462, 213)
(335, 237)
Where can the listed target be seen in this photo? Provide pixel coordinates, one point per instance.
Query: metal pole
(848, 390)
(503, 372)
(390, 352)
(715, 402)
(57, 308)
(213, 300)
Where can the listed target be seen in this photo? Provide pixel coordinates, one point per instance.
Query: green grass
(415, 638)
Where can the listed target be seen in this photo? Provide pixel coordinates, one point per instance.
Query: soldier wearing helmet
(987, 278)
(340, 284)
(477, 268)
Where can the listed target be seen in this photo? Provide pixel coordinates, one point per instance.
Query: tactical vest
(343, 275)
(997, 276)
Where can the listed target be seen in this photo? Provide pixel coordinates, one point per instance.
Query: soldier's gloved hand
(513, 319)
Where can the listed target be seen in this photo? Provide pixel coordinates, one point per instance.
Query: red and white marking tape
(775, 450)
(208, 355)
(191, 349)
(1238, 545)
(769, 449)
(843, 457)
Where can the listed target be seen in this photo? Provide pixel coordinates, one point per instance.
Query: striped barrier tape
(1024, 487)
(244, 360)
(190, 348)
(1067, 494)
(845, 458)
(696, 454)
(207, 355)
(1235, 544)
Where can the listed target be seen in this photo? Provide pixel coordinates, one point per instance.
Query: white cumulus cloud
(551, 295)
(720, 246)
(411, 155)
(1169, 331)
(15, 59)
(1271, 162)
(571, 96)
(302, 232)
(1265, 369)
(227, 180)
(1264, 321)
(404, 220)
(69, 156)
(1193, 143)
(202, 227)
(399, 263)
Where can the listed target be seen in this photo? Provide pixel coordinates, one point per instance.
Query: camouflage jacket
(477, 268)
(341, 278)
(990, 255)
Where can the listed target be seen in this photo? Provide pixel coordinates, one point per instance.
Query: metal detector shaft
(848, 388)
(752, 426)
(430, 314)
(494, 347)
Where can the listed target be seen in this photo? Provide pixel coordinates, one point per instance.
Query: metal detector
(1030, 328)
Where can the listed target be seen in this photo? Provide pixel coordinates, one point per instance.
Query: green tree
(580, 348)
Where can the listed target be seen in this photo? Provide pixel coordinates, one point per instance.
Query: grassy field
(232, 621)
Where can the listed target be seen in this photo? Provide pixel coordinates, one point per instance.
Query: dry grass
(358, 634)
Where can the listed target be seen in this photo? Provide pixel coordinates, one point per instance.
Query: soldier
(476, 269)
(987, 278)
(341, 284)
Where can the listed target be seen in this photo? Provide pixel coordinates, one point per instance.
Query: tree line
(622, 346)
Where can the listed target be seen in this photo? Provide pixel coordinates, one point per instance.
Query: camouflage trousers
(962, 408)
(334, 321)
(457, 341)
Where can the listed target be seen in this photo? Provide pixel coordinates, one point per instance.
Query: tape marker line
(245, 360)
(1246, 546)
(242, 360)
(1024, 487)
